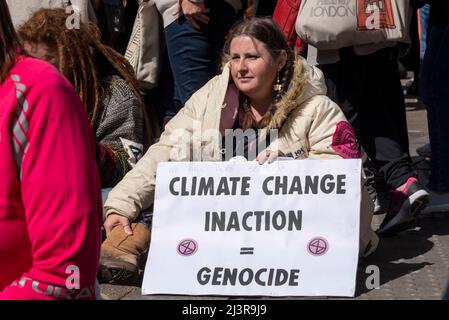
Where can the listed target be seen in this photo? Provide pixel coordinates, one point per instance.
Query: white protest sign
(290, 228)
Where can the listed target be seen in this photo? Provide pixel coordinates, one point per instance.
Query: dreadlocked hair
(269, 33)
(77, 51)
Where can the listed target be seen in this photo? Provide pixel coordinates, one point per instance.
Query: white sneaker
(439, 202)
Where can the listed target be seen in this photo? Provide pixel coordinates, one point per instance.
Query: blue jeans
(104, 196)
(435, 94)
(424, 17)
(446, 295)
(195, 54)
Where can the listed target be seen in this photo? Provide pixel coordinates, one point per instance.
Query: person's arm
(317, 129)
(331, 136)
(61, 198)
(136, 191)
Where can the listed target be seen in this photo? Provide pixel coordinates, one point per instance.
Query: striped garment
(120, 131)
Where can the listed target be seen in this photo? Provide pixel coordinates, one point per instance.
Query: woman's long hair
(9, 42)
(268, 32)
(81, 56)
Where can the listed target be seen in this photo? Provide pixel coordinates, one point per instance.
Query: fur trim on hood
(307, 82)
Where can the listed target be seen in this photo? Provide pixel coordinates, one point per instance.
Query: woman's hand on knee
(114, 220)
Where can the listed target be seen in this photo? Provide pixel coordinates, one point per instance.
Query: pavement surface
(412, 265)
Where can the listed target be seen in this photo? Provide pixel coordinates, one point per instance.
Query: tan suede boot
(122, 255)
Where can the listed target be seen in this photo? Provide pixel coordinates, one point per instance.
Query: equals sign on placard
(246, 250)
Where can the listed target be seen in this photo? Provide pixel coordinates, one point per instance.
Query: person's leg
(407, 197)
(344, 87)
(435, 94)
(194, 54)
(436, 74)
(428, 60)
(190, 58)
(367, 88)
(446, 294)
(438, 116)
(382, 117)
(424, 21)
(344, 90)
(390, 135)
(122, 256)
(164, 94)
(415, 56)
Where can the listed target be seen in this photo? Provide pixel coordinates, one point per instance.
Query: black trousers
(368, 90)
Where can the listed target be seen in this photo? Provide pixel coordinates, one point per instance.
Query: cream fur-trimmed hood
(307, 82)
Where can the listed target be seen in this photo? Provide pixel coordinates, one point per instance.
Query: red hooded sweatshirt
(50, 202)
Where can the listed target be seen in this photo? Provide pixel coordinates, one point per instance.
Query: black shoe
(118, 272)
(424, 151)
(413, 90)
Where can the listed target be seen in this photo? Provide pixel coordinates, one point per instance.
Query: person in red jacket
(50, 201)
(285, 14)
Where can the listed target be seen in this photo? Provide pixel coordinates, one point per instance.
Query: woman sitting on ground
(105, 82)
(262, 86)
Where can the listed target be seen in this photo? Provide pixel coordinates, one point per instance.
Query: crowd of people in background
(81, 136)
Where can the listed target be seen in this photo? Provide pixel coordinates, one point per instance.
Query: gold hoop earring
(278, 86)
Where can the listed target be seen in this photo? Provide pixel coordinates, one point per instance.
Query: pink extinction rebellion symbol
(187, 247)
(318, 246)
